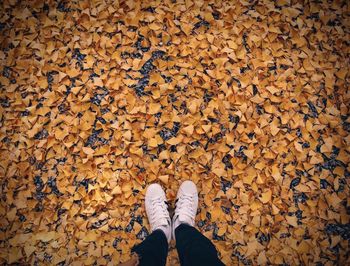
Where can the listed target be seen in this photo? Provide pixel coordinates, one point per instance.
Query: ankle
(178, 223)
(166, 229)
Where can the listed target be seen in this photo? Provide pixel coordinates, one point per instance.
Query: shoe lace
(184, 206)
(159, 212)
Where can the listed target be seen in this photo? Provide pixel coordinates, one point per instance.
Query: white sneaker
(157, 210)
(186, 205)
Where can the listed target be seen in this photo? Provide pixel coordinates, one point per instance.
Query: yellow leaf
(342, 73)
(60, 134)
(215, 214)
(219, 171)
(11, 214)
(189, 130)
(274, 128)
(88, 150)
(72, 72)
(90, 236)
(298, 146)
(292, 220)
(175, 141)
(127, 135)
(98, 81)
(232, 45)
(29, 249)
(14, 255)
(164, 155)
(333, 200)
(275, 210)
(135, 150)
(249, 154)
(303, 247)
(193, 107)
(102, 150)
(154, 108)
(222, 230)
(249, 176)
(90, 60)
(45, 236)
(164, 178)
(153, 142)
(276, 173)
(206, 128)
(266, 196)
(262, 258)
(42, 83)
(43, 110)
(155, 77)
(116, 190)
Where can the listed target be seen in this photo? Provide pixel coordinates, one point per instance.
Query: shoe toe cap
(189, 187)
(154, 190)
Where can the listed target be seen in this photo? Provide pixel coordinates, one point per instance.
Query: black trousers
(193, 248)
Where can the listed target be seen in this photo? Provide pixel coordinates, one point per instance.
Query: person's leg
(193, 248)
(153, 250)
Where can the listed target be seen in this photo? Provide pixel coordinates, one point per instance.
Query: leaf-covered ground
(249, 99)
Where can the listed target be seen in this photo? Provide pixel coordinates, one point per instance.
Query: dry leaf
(164, 178)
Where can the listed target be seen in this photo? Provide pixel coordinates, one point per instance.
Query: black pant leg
(153, 251)
(194, 248)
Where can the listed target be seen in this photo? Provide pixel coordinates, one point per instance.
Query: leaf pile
(249, 99)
